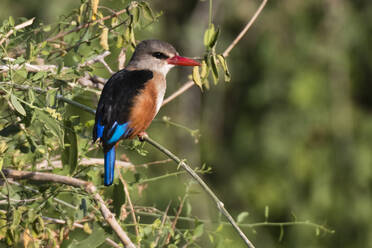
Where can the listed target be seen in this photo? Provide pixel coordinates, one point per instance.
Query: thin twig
(174, 223)
(85, 25)
(179, 92)
(164, 218)
(219, 203)
(87, 186)
(245, 29)
(18, 27)
(226, 53)
(134, 218)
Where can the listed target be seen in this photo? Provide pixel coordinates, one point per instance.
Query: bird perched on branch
(132, 97)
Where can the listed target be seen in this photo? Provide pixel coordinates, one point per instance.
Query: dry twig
(131, 206)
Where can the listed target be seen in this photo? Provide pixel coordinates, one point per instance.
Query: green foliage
(41, 132)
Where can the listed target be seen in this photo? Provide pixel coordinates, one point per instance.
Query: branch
(51, 68)
(226, 53)
(245, 29)
(195, 176)
(87, 186)
(62, 34)
(18, 27)
(179, 92)
(136, 227)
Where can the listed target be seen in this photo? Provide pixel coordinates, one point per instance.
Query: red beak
(178, 60)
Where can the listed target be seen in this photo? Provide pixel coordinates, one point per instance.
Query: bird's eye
(159, 55)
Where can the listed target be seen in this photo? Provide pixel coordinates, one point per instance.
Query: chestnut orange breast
(146, 104)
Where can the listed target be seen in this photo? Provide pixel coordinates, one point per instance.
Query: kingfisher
(132, 97)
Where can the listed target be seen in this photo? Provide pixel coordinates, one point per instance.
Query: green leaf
(94, 240)
(266, 213)
(17, 105)
(241, 217)
(223, 63)
(147, 11)
(70, 151)
(11, 21)
(198, 231)
(118, 197)
(51, 97)
(211, 36)
(39, 75)
(196, 77)
(208, 34)
(52, 125)
(214, 68)
(17, 215)
(136, 14)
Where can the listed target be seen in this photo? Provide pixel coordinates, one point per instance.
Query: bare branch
(245, 29)
(87, 186)
(18, 27)
(205, 187)
(125, 185)
(178, 92)
(174, 223)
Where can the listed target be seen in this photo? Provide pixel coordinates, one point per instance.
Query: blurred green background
(293, 129)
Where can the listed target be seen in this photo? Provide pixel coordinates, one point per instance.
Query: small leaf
(223, 63)
(241, 217)
(198, 231)
(213, 38)
(266, 213)
(147, 11)
(17, 105)
(196, 77)
(208, 34)
(136, 14)
(87, 228)
(51, 124)
(39, 75)
(104, 39)
(70, 152)
(11, 21)
(94, 8)
(51, 97)
(214, 68)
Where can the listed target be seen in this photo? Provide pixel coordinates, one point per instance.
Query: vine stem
(196, 177)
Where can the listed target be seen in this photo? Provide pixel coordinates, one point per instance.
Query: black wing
(117, 99)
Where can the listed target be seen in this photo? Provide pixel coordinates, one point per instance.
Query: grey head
(153, 55)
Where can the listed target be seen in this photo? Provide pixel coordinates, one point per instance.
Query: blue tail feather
(109, 166)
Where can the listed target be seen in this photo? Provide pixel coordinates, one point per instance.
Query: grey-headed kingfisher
(132, 97)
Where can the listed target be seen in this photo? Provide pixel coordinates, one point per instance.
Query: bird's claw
(142, 136)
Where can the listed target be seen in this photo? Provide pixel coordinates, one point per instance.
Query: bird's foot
(142, 136)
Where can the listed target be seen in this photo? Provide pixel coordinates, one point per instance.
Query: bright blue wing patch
(119, 130)
(100, 129)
